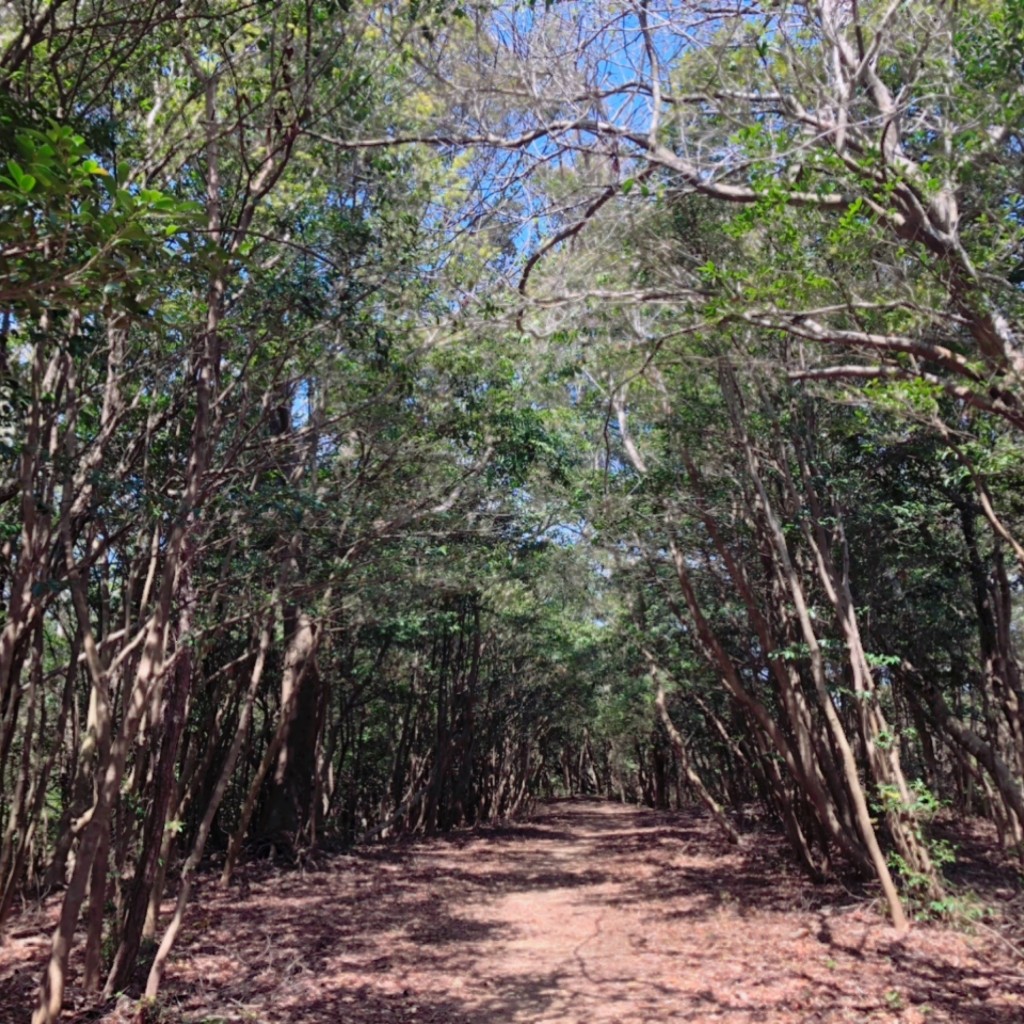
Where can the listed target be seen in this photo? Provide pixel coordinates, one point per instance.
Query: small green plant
(921, 805)
(962, 909)
(893, 999)
(924, 802)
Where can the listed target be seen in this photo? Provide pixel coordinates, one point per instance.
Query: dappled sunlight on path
(591, 913)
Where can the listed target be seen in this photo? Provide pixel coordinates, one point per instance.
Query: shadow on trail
(530, 999)
(492, 835)
(673, 925)
(736, 880)
(481, 882)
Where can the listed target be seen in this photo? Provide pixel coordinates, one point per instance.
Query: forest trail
(590, 913)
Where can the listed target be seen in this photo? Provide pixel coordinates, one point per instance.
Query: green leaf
(17, 174)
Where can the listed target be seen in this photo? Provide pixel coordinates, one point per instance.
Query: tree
(410, 409)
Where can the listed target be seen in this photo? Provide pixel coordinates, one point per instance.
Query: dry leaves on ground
(592, 913)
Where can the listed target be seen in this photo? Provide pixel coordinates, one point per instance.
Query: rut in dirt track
(591, 912)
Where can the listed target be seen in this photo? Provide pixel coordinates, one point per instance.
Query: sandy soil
(591, 913)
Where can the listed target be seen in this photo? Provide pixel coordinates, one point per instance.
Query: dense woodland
(409, 410)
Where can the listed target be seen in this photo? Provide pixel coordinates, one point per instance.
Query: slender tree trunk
(163, 790)
(838, 734)
(679, 746)
(210, 813)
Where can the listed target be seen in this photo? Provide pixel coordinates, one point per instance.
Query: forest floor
(591, 913)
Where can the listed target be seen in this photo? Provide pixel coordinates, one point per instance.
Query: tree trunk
(679, 746)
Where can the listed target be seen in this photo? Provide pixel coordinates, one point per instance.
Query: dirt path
(591, 913)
